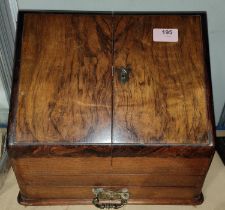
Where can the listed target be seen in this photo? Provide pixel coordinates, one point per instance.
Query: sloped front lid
(67, 93)
(64, 93)
(166, 99)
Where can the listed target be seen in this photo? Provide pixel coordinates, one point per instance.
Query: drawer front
(72, 192)
(105, 165)
(163, 166)
(113, 180)
(163, 172)
(62, 165)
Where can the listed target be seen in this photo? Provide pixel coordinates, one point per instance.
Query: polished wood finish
(65, 73)
(96, 165)
(120, 180)
(175, 166)
(164, 151)
(165, 99)
(161, 77)
(162, 201)
(62, 166)
(19, 151)
(72, 192)
(73, 126)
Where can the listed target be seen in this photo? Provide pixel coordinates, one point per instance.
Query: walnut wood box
(75, 124)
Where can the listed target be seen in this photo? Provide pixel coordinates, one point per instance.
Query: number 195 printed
(165, 35)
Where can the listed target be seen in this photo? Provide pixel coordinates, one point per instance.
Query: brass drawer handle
(109, 199)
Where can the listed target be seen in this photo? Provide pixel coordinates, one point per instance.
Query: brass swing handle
(116, 199)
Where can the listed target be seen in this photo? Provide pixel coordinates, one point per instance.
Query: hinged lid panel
(160, 92)
(64, 92)
(164, 98)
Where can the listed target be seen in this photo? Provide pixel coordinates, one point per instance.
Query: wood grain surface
(65, 86)
(164, 151)
(165, 99)
(120, 180)
(65, 166)
(86, 192)
(74, 126)
(196, 200)
(65, 79)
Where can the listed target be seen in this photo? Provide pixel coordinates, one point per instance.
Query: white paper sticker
(165, 35)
